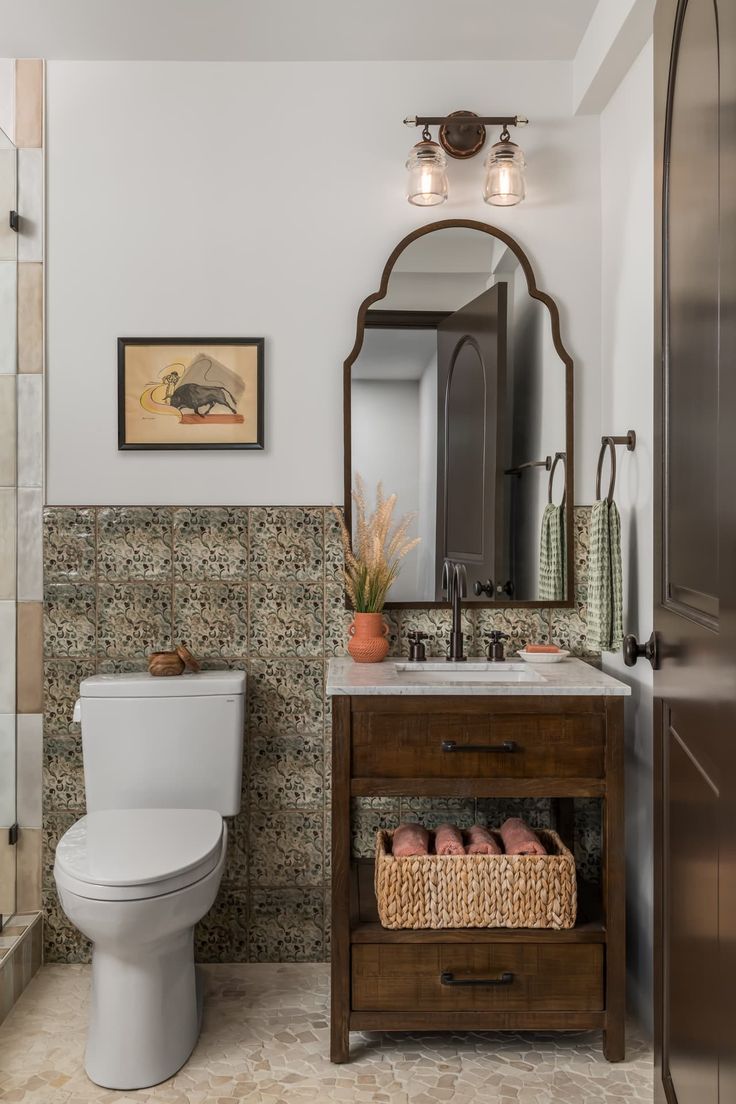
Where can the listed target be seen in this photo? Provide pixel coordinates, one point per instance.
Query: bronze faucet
(455, 587)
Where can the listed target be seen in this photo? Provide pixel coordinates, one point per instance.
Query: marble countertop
(568, 677)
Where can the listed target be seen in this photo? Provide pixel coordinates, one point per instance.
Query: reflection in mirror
(458, 403)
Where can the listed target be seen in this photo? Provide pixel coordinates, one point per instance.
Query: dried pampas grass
(373, 558)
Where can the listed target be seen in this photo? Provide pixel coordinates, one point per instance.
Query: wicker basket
(477, 891)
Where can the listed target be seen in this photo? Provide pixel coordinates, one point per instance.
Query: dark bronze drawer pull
(448, 978)
(452, 745)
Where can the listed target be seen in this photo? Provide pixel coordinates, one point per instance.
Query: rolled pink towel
(518, 838)
(448, 840)
(481, 842)
(410, 839)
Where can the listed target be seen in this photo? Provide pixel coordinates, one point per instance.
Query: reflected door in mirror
(471, 359)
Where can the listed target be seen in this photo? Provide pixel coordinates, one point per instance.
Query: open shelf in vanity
(565, 744)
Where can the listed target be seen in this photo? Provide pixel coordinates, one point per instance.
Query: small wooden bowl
(165, 663)
(187, 658)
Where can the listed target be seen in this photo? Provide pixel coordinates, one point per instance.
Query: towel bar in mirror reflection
(549, 465)
(458, 377)
(546, 464)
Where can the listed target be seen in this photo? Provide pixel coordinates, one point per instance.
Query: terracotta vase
(368, 638)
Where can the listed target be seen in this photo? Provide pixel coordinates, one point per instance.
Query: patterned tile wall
(256, 588)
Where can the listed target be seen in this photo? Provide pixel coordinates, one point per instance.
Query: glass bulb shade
(427, 183)
(504, 184)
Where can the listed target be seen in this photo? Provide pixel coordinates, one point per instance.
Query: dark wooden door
(695, 553)
(471, 372)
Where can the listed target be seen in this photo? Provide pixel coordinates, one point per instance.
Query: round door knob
(633, 650)
(483, 588)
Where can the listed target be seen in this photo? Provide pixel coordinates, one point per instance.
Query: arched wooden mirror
(459, 398)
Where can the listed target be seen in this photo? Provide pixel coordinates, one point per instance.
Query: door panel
(471, 374)
(695, 549)
(691, 304)
(727, 555)
(691, 953)
(465, 434)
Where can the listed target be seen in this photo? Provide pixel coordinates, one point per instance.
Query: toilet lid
(125, 854)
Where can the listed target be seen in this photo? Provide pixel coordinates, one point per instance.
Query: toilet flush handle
(77, 714)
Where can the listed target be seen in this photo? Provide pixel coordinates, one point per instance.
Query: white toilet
(162, 766)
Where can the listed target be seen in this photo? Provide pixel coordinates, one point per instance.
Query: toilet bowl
(135, 882)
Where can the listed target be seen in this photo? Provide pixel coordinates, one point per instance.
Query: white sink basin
(472, 672)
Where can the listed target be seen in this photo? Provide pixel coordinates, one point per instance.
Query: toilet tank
(157, 742)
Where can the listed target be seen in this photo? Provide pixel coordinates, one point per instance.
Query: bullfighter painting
(190, 393)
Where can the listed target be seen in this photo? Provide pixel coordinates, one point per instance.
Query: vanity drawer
(488, 745)
(503, 977)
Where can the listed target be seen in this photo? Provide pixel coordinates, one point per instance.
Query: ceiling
(294, 30)
(395, 355)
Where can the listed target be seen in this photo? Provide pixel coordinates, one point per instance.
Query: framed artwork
(190, 393)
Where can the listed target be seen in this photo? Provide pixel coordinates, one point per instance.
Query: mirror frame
(551, 305)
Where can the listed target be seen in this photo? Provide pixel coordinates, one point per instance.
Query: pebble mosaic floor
(265, 1041)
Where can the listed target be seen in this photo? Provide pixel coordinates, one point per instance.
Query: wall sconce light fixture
(461, 135)
(427, 183)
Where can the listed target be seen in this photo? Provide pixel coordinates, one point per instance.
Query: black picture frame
(206, 342)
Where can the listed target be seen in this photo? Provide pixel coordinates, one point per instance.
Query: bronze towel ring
(606, 443)
(610, 442)
(558, 456)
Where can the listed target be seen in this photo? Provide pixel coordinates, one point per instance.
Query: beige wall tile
(7, 426)
(7, 770)
(7, 98)
(7, 542)
(28, 102)
(30, 204)
(19, 965)
(7, 998)
(30, 527)
(7, 872)
(30, 657)
(28, 876)
(30, 316)
(7, 657)
(8, 315)
(30, 431)
(29, 781)
(30, 949)
(8, 202)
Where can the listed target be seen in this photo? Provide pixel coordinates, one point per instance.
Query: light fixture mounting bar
(476, 120)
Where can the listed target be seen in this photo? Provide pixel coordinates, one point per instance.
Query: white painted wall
(616, 33)
(627, 380)
(386, 437)
(263, 199)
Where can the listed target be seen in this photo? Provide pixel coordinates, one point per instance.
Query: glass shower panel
(8, 520)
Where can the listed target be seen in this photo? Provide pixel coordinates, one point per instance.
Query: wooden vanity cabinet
(561, 747)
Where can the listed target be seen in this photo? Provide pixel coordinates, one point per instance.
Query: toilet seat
(134, 854)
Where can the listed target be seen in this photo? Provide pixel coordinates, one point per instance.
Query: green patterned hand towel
(552, 554)
(605, 579)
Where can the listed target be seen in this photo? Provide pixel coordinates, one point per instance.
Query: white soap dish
(543, 657)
